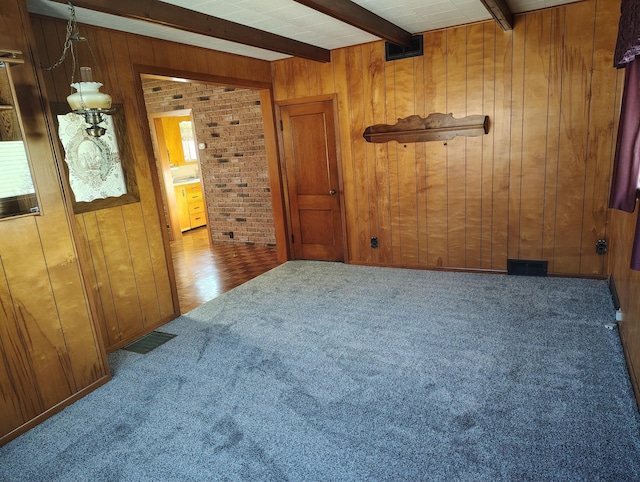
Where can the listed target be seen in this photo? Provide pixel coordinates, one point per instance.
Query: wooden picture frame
(126, 159)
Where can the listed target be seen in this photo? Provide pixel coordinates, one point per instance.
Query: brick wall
(233, 166)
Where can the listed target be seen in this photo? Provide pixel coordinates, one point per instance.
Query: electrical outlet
(601, 246)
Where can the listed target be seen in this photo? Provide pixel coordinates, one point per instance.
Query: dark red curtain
(626, 167)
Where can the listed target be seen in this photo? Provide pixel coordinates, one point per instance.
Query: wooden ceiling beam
(169, 15)
(353, 14)
(501, 12)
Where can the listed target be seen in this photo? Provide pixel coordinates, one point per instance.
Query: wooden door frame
(265, 90)
(333, 98)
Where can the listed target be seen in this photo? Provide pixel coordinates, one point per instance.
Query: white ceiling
(296, 21)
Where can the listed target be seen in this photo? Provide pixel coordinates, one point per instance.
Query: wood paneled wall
(126, 247)
(535, 187)
(627, 283)
(50, 352)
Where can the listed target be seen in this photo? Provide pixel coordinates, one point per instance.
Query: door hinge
(281, 127)
(292, 239)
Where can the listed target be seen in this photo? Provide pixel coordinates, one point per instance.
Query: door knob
(332, 192)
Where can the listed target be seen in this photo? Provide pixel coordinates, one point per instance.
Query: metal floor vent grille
(149, 342)
(527, 267)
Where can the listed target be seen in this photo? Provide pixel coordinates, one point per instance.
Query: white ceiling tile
(296, 21)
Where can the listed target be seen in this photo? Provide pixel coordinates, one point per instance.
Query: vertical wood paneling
(278, 74)
(20, 395)
(54, 35)
(325, 78)
(341, 73)
(128, 265)
(621, 225)
(119, 268)
(9, 399)
(37, 316)
(382, 192)
(435, 74)
(517, 136)
(574, 128)
(290, 78)
(502, 147)
(49, 351)
(358, 151)
(65, 277)
(534, 187)
(141, 51)
(395, 246)
(406, 163)
(312, 68)
(556, 56)
(488, 108)
(627, 282)
(300, 72)
(421, 166)
(142, 265)
(105, 304)
(373, 65)
(601, 136)
(456, 152)
(474, 149)
(368, 81)
(147, 252)
(535, 107)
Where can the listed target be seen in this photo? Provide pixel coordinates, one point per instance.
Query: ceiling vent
(397, 52)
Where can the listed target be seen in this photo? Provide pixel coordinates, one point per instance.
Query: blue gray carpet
(323, 371)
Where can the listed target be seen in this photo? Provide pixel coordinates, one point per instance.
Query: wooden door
(312, 181)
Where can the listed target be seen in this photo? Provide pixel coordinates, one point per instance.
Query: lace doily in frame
(95, 169)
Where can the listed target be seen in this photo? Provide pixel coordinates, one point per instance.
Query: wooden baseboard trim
(431, 268)
(614, 293)
(25, 427)
(635, 380)
(474, 270)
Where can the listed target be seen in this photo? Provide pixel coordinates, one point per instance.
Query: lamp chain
(72, 35)
(71, 38)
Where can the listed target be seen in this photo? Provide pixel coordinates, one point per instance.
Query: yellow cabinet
(190, 206)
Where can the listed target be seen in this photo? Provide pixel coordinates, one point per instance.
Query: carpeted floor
(323, 371)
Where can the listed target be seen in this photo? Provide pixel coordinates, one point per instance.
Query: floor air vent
(149, 342)
(527, 267)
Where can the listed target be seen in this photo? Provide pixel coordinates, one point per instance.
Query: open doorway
(232, 171)
(178, 165)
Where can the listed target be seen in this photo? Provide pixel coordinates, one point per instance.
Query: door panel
(312, 181)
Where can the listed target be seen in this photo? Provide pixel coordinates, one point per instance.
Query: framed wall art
(98, 170)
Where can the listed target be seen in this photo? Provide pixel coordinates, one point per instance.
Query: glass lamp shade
(88, 96)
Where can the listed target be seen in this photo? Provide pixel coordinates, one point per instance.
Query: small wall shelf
(435, 127)
(17, 190)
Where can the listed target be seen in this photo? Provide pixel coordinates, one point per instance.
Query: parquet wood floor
(204, 272)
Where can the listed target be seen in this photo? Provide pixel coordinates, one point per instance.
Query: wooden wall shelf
(435, 127)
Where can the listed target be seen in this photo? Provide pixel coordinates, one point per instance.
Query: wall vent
(527, 267)
(396, 52)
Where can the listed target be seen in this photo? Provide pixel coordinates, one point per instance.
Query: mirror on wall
(17, 190)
